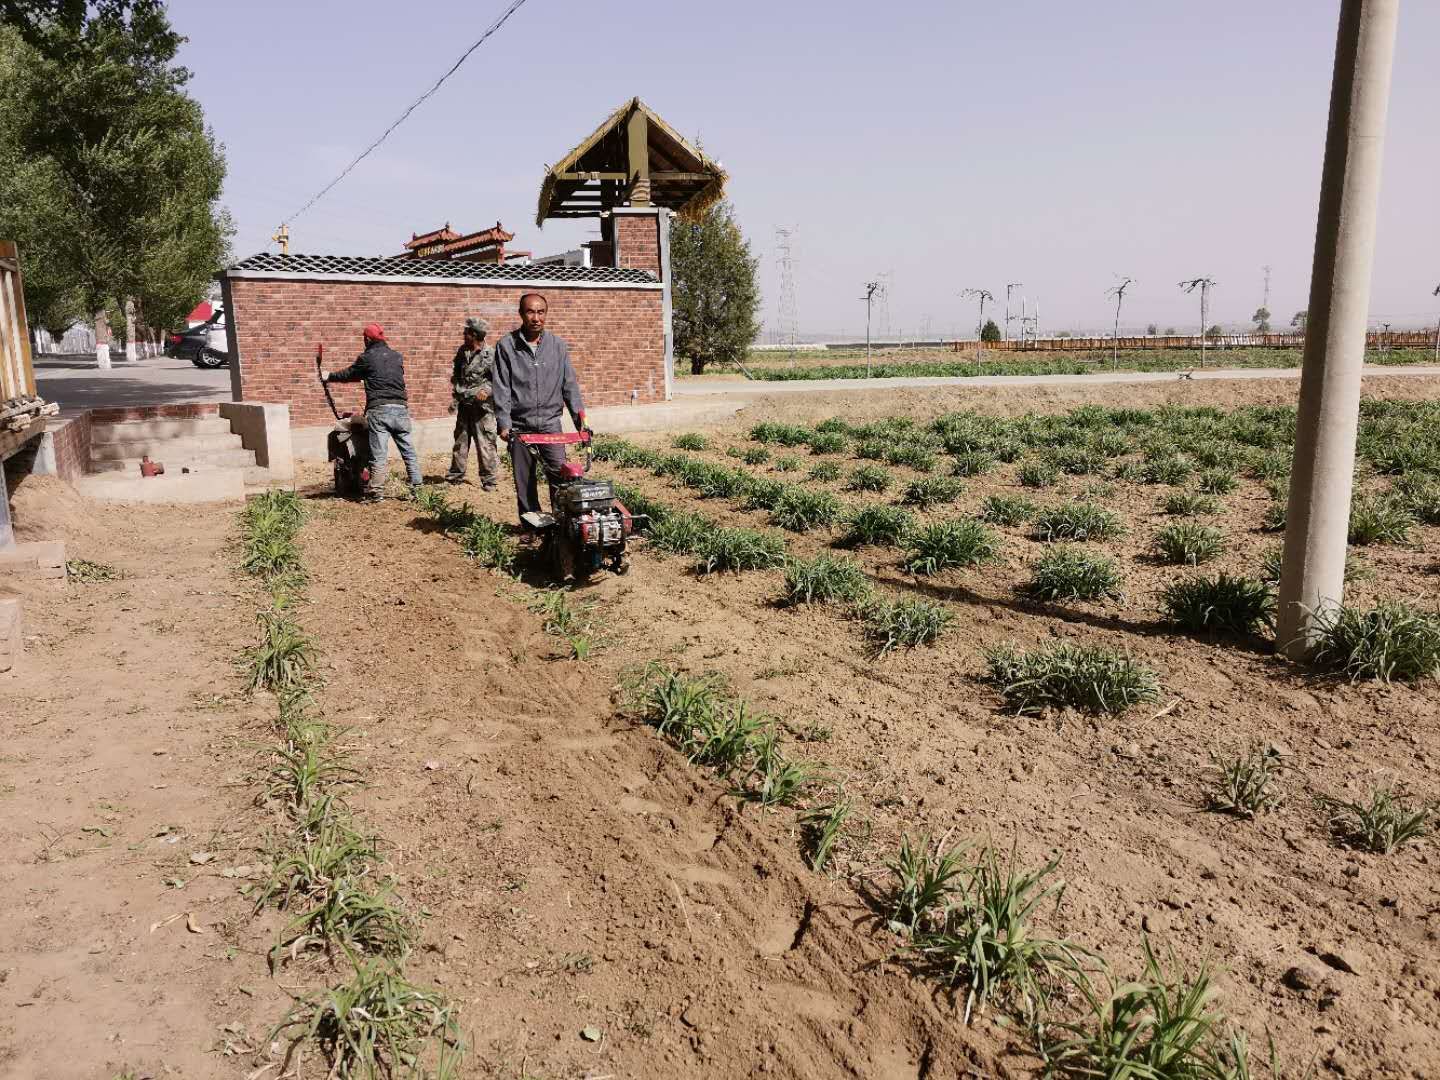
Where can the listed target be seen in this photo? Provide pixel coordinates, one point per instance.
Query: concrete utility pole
(870, 289)
(1437, 329)
(1118, 292)
(1313, 575)
(1204, 284)
(1009, 288)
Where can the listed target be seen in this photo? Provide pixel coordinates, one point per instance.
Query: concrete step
(220, 485)
(174, 449)
(37, 558)
(236, 458)
(159, 429)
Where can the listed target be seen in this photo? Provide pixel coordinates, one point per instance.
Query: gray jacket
(531, 392)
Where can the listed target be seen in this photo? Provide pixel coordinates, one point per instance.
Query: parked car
(203, 344)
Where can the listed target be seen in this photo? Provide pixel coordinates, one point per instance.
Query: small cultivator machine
(588, 526)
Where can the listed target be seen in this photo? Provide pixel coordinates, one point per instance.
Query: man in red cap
(387, 408)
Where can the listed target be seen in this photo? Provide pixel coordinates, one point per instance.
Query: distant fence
(1379, 339)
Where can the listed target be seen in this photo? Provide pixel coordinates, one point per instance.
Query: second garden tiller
(347, 445)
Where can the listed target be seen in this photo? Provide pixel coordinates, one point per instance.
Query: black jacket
(382, 370)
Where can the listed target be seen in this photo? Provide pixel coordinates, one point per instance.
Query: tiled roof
(273, 265)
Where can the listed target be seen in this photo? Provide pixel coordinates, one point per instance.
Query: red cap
(374, 331)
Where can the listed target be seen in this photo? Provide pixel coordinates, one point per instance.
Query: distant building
(485, 246)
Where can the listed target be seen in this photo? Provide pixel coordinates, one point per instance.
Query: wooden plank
(588, 176)
(665, 176)
(19, 367)
(637, 140)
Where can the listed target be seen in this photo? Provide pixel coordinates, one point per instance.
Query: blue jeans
(385, 422)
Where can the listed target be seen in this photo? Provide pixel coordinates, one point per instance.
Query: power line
(515, 6)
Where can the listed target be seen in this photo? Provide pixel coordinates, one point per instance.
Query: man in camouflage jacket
(474, 406)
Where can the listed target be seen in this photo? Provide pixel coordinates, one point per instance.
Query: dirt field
(579, 876)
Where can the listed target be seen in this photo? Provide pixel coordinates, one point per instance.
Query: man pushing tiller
(387, 408)
(533, 382)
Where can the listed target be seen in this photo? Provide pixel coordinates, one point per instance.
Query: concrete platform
(220, 485)
(12, 629)
(231, 457)
(208, 427)
(38, 558)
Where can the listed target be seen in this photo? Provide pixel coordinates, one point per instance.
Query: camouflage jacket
(471, 374)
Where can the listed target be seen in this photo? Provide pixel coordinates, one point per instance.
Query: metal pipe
(1312, 581)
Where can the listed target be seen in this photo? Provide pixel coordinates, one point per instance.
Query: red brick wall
(71, 441)
(127, 413)
(638, 237)
(616, 338)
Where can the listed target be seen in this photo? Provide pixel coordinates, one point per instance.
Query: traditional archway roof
(603, 172)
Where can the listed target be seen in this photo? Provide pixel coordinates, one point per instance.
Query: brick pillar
(637, 239)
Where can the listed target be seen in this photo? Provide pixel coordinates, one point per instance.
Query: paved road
(76, 383)
(762, 388)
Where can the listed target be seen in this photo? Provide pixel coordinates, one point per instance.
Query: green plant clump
(1189, 504)
(1089, 678)
(1037, 474)
(1070, 573)
(1245, 784)
(877, 524)
(895, 624)
(1008, 509)
(825, 472)
(947, 544)
(1188, 543)
(1076, 521)
(1379, 521)
(1224, 604)
(739, 549)
(800, 509)
(822, 579)
(1382, 824)
(690, 440)
(931, 491)
(869, 478)
(1387, 642)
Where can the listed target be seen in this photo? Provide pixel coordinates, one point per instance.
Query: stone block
(39, 558)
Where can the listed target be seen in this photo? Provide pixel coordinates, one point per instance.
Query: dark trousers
(527, 472)
(474, 423)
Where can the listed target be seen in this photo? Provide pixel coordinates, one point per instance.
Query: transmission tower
(1266, 302)
(787, 324)
(882, 296)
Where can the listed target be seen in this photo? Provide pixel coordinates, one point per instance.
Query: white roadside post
(1318, 513)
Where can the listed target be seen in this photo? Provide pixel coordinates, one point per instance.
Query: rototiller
(347, 445)
(587, 525)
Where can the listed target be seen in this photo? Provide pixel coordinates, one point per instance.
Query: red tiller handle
(558, 438)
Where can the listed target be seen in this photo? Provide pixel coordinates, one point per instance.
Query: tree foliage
(715, 294)
(109, 178)
(990, 331)
(1261, 319)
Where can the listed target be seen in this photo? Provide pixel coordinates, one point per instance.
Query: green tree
(1152, 329)
(1261, 319)
(715, 294)
(108, 177)
(1298, 322)
(989, 332)
(1214, 333)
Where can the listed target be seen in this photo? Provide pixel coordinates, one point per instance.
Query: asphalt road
(76, 383)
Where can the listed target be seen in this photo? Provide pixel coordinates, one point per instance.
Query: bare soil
(577, 873)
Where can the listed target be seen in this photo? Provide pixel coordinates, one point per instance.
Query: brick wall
(638, 238)
(70, 443)
(616, 338)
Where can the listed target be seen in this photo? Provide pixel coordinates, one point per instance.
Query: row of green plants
(1392, 640)
(774, 368)
(967, 916)
(325, 869)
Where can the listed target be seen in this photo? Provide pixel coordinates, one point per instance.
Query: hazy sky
(950, 144)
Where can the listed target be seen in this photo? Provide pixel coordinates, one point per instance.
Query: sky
(947, 145)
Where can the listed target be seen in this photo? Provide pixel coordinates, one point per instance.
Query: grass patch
(828, 442)
(1088, 678)
(376, 1024)
(986, 946)
(283, 658)
(1217, 481)
(821, 828)
(1036, 473)
(907, 624)
(1224, 604)
(787, 463)
(972, 463)
(489, 543)
(824, 579)
(755, 455)
(878, 524)
(783, 434)
(869, 478)
(924, 873)
(1245, 784)
(1188, 543)
(1387, 642)
(1189, 504)
(1070, 573)
(1008, 509)
(1419, 496)
(1379, 521)
(931, 491)
(801, 509)
(1168, 469)
(914, 455)
(690, 440)
(682, 533)
(824, 472)
(1076, 521)
(947, 544)
(739, 549)
(1381, 824)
